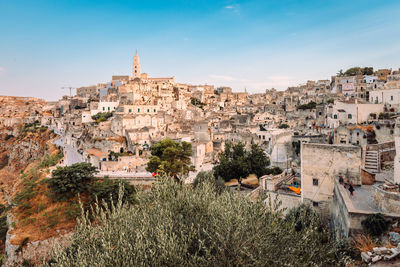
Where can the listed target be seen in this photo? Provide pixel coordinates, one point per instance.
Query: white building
(352, 113)
(389, 97)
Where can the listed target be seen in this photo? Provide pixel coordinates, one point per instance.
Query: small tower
(136, 66)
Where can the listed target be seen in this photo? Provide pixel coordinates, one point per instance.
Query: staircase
(371, 162)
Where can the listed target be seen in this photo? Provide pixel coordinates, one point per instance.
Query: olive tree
(178, 225)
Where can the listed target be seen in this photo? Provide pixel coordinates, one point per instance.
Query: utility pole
(70, 90)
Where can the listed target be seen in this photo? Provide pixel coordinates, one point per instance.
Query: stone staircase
(371, 162)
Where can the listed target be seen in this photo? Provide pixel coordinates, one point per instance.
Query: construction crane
(70, 90)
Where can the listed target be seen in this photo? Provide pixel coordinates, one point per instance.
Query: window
(315, 204)
(109, 108)
(154, 110)
(148, 110)
(315, 182)
(349, 116)
(391, 98)
(130, 110)
(335, 116)
(104, 108)
(138, 110)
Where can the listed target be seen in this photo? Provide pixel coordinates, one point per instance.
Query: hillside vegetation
(179, 225)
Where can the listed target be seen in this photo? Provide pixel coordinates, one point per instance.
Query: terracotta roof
(365, 128)
(95, 152)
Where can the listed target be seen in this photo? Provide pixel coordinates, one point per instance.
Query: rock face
(17, 149)
(19, 146)
(35, 252)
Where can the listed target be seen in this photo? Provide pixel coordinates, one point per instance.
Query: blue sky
(45, 45)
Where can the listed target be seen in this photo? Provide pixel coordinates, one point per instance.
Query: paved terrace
(361, 201)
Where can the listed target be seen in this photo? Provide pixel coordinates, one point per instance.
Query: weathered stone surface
(376, 258)
(394, 237)
(365, 257)
(390, 257)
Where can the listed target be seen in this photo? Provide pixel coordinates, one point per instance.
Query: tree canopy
(78, 178)
(310, 105)
(237, 162)
(171, 158)
(358, 71)
(178, 225)
(68, 181)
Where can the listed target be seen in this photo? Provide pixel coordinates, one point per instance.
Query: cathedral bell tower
(136, 66)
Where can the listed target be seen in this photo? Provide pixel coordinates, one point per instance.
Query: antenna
(70, 90)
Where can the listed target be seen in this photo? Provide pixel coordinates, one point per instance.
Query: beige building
(321, 164)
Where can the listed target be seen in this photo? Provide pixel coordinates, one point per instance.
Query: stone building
(320, 165)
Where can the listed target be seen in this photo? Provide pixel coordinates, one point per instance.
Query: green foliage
(310, 105)
(274, 171)
(297, 147)
(330, 101)
(375, 224)
(3, 228)
(72, 211)
(196, 102)
(283, 126)
(51, 160)
(384, 116)
(204, 177)
(236, 162)
(171, 157)
(359, 71)
(178, 225)
(102, 116)
(32, 127)
(27, 193)
(68, 181)
(262, 128)
(112, 156)
(107, 190)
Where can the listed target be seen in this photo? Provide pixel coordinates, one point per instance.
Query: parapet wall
(386, 201)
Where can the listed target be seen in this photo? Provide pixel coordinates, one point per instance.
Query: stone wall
(386, 201)
(324, 163)
(289, 201)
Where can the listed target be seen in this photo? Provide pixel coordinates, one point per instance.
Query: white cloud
(235, 8)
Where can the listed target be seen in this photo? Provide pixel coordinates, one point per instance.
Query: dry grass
(364, 243)
(45, 217)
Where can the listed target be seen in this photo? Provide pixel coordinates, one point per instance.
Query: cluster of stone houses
(346, 127)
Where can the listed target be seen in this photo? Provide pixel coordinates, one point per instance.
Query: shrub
(178, 225)
(205, 177)
(283, 126)
(311, 105)
(51, 160)
(107, 190)
(102, 116)
(68, 181)
(375, 224)
(3, 228)
(274, 171)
